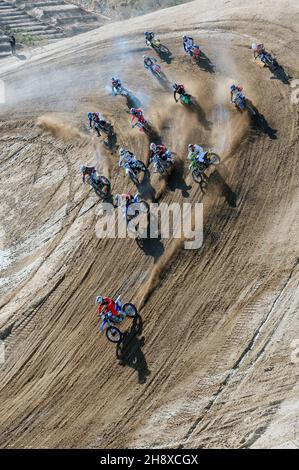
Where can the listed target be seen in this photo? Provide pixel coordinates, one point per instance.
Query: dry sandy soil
(212, 361)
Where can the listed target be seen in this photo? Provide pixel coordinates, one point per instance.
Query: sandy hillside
(212, 360)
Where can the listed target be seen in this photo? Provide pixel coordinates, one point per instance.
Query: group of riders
(159, 154)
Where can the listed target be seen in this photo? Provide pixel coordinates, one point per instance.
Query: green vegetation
(29, 39)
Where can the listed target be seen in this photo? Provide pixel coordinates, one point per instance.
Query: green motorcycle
(197, 168)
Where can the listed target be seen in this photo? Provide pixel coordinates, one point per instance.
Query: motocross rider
(106, 305)
(158, 150)
(127, 160)
(137, 113)
(89, 171)
(236, 93)
(198, 153)
(178, 89)
(148, 62)
(116, 85)
(149, 36)
(96, 121)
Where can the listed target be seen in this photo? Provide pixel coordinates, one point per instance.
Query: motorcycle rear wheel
(197, 176)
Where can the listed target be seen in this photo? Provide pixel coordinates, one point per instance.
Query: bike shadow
(151, 246)
(133, 101)
(129, 352)
(165, 55)
(204, 63)
(176, 179)
(280, 74)
(200, 114)
(260, 123)
(217, 181)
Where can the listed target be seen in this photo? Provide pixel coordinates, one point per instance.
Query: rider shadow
(145, 188)
(111, 141)
(133, 101)
(200, 114)
(260, 124)
(177, 181)
(205, 63)
(165, 54)
(150, 240)
(216, 180)
(129, 351)
(280, 74)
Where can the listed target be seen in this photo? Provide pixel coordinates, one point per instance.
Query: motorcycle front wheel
(130, 310)
(214, 158)
(114, 334)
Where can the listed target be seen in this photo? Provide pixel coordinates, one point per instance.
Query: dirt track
(209, 364)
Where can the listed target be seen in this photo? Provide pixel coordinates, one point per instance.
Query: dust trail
(60, 130)
(159, 269)
(103, 162)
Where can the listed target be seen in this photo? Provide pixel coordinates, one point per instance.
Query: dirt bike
(195, 52)
(155, 69)
(102, 188)
(103, 126)
(120, 91)
(185, 98)
(139, 166)
(163, 167)
(140, 206)
(157, 45)
(198, 168)
(113, 333)
(142, 126)
(241, 103)
(268, 60)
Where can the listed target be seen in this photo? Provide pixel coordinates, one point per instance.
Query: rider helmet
(132, 110)
(190, 147)
(82, 168)
(233, 87)
(253, 46)
(99, 299)
(121, 151)
(153, 147)
(89, 115)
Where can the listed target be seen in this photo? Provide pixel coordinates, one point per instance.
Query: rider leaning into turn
(137, 113)
(89, 171)
(108, 305)
(148, 62)
(178, 89)
(149, 36)
(235, 93)
(127, 160)
(116, 84)
(158, 150)
(96, 121)
(197, 153)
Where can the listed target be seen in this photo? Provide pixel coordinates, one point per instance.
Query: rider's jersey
(148, 62)
(238, 95)
(91, 172)
(128, 159)
(199, 153)
(180, 89)
(116, 83)
(150, 36)
(138, 115)
(188, 43)
(161, 152)
(109, 305)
